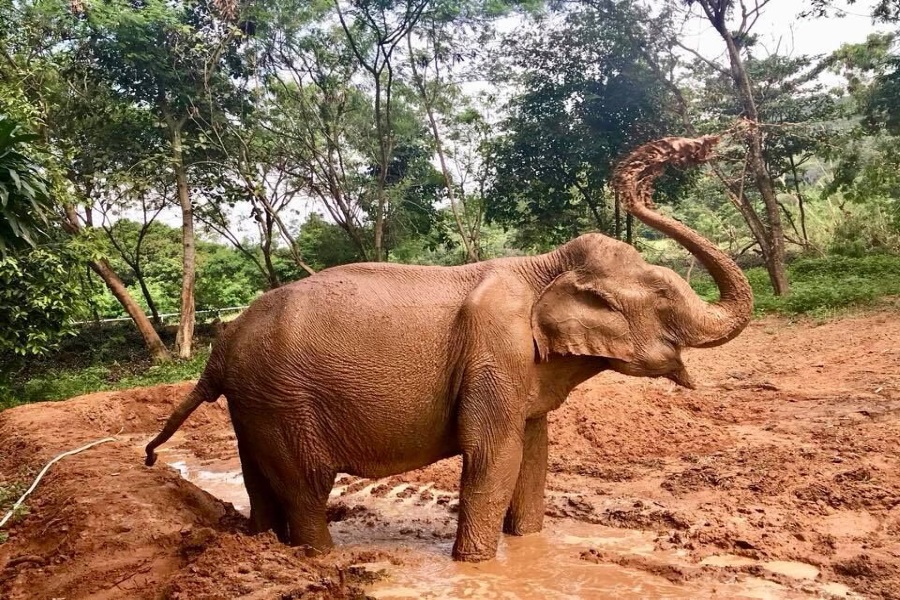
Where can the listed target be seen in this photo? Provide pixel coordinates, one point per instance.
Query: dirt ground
(788, 451)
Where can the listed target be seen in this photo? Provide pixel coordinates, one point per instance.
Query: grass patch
(821, 287)
(9, 493)
(59, 384)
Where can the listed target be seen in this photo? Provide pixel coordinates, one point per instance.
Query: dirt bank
(782, 467)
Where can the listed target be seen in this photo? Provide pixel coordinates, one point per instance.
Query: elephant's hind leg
(305, 498)
(266, 512)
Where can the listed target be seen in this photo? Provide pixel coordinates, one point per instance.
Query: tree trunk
(291, 241)
(271, 273)
(775, 264)
(157, 349)
(151, 304)
(618, 211)
(467, 238)
(185, 336)
(799, 203)
(629, 229)
(155, 346)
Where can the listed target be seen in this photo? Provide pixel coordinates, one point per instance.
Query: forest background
(164, 162)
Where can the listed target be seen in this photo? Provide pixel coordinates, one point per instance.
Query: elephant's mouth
(682, 378)
(676, 372)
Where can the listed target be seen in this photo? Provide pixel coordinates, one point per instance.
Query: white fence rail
(216, 311)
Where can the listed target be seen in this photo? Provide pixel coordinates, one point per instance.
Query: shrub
(821, 285)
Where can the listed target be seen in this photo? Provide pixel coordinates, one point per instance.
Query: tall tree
(588, 96)
(177, 58)
(319, 120)
(866, 157)
(42, 47)
(445, 34)
(799, 115)
(768, 230)
(374, 31)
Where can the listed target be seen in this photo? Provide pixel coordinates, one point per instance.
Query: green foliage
(59, 384)
(325, 244)
(38, 297)
(226, 278)
(822, 286)
(25, 202)
(588, 97)
(10, 492)
(99, 358)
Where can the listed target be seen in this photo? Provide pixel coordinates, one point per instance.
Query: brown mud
(777, 478)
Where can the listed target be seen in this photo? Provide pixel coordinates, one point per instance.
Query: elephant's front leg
(526, 509)
(490, 469)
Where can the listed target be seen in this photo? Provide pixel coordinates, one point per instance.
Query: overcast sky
(780, 22)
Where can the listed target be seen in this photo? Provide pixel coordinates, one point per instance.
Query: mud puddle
(416, 523)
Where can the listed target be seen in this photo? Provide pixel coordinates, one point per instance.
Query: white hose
(44, 470)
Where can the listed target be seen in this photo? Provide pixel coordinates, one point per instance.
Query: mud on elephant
(378, 369)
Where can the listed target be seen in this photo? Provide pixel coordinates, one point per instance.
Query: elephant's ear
(572, 318)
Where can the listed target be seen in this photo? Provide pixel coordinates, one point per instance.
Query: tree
(799, 116)
(38, 298)
(369, 172)
(128, 237)
(41, 47)
(253, 170)
(106, 142)
(325, 243)
(177, 58)
(374, 34)
(446, 34)
(866, 156)
(319, 121)
(768, 231)
(588, 96)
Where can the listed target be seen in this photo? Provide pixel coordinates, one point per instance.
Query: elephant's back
(364, 335)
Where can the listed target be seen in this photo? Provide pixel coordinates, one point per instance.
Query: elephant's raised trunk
(709, 324)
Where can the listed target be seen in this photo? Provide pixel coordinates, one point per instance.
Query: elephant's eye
(607, 298)
(662, 292)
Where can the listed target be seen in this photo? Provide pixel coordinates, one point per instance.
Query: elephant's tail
(208, 389)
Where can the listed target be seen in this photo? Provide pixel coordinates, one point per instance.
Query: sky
(779, 27)
(780, 23)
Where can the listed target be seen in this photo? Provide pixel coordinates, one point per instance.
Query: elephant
(375, 369)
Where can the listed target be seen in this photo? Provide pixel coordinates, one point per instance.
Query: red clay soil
(789, 450)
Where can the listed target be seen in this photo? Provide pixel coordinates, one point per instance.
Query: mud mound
(615, 420)
(101, 525)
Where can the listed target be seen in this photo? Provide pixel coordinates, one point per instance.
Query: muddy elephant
(378, 369)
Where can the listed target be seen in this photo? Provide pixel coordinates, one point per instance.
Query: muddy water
(415, 523)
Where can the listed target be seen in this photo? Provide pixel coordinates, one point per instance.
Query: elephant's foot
(526, 507)
(313, 551)
(471, 553)
(311, 535)
(514, 524)
(269, 517)
(280, 529)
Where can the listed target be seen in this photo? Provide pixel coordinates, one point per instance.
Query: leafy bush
(24, 200)
(820, 286)
(38, 297)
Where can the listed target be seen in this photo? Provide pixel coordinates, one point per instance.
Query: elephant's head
(608, 302)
